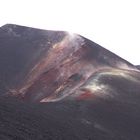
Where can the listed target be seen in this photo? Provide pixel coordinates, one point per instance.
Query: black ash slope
(98, 120)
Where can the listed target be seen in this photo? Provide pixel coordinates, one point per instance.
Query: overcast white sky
(114, 24)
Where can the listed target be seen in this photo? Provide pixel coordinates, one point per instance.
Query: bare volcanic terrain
(57, 85)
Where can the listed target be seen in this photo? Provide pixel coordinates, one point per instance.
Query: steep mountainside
(40, 65)
(60, 86)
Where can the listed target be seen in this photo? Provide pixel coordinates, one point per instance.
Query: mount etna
(56, 85)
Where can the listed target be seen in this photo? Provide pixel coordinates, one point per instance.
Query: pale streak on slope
(96, 87)
(57, 53)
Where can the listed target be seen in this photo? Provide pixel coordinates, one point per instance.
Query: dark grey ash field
(60, 86)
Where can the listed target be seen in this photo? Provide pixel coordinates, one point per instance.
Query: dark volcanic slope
(69, 87)
(69, 120)
(21, 49)
(40, 65)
